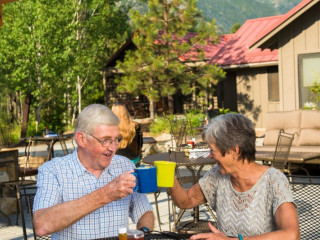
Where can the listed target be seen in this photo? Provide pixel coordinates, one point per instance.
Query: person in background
(131, 144)
(251, 201)
(88, 194)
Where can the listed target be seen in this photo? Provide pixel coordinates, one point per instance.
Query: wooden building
(296, 36)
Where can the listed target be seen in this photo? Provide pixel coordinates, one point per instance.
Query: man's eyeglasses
(107, 142)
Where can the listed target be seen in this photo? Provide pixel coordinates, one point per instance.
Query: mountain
(227, 12)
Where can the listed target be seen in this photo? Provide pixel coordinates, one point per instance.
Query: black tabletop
(156, 236)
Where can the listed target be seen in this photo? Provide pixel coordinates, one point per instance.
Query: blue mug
(146, 179)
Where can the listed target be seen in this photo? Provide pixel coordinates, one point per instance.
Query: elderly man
(89, 194)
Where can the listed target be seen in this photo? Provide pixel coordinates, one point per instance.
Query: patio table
(49, 141)
(294, 157)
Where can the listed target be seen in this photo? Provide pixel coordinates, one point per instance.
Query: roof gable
(282, 22)
(120, 53)
(236, 50)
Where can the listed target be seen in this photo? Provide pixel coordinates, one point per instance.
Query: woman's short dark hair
(230, 130)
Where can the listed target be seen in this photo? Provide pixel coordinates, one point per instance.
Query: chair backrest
(282, 150)
(34, 157)
(306, 195)
(178, 131)
(30, 199)
(139, 142)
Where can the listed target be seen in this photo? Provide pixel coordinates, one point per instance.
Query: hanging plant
(315, 90)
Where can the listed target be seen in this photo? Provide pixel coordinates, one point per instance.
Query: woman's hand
(215, 235)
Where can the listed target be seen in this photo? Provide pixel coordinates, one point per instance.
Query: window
(309, 72)
(273, 84)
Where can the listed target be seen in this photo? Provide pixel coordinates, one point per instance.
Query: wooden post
(26, 109)
(0, 14)
(6, 1)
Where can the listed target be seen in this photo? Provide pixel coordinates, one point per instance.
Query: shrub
(162, 124)
(315, 90)
(9, 132)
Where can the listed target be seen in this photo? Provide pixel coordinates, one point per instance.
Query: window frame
(273, 84)
(304, 86)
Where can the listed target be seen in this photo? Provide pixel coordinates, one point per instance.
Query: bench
(305, 124)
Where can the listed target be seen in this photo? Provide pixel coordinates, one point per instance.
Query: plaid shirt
(65, 179)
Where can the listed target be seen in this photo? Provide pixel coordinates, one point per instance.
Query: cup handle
(136, 188)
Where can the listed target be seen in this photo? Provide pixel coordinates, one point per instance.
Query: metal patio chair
(178, 131)
(30, 199)
(306, 195)
(281, 154)
(17, 189)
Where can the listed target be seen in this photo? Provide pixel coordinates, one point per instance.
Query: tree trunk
(79, 93)
(166, 29)
(170, 104)
(37, 113)
(10, 107)
(210, 98)
(15, 106)
(25, 118)
(152, 109)
(194, 97)
(105, 93)
(74, 114)
(18, 106)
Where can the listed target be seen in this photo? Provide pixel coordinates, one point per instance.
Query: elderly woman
(252, 201)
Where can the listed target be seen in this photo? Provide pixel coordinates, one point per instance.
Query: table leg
(51, 150)
(196, 214)
(6, 217)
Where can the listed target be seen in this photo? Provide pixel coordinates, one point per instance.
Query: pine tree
(169, 37)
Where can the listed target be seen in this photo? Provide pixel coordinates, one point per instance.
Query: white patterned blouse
(248, 213)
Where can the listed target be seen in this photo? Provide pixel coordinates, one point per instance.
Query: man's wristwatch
(144, 229)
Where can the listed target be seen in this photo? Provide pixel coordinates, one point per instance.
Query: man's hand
(120, 187)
